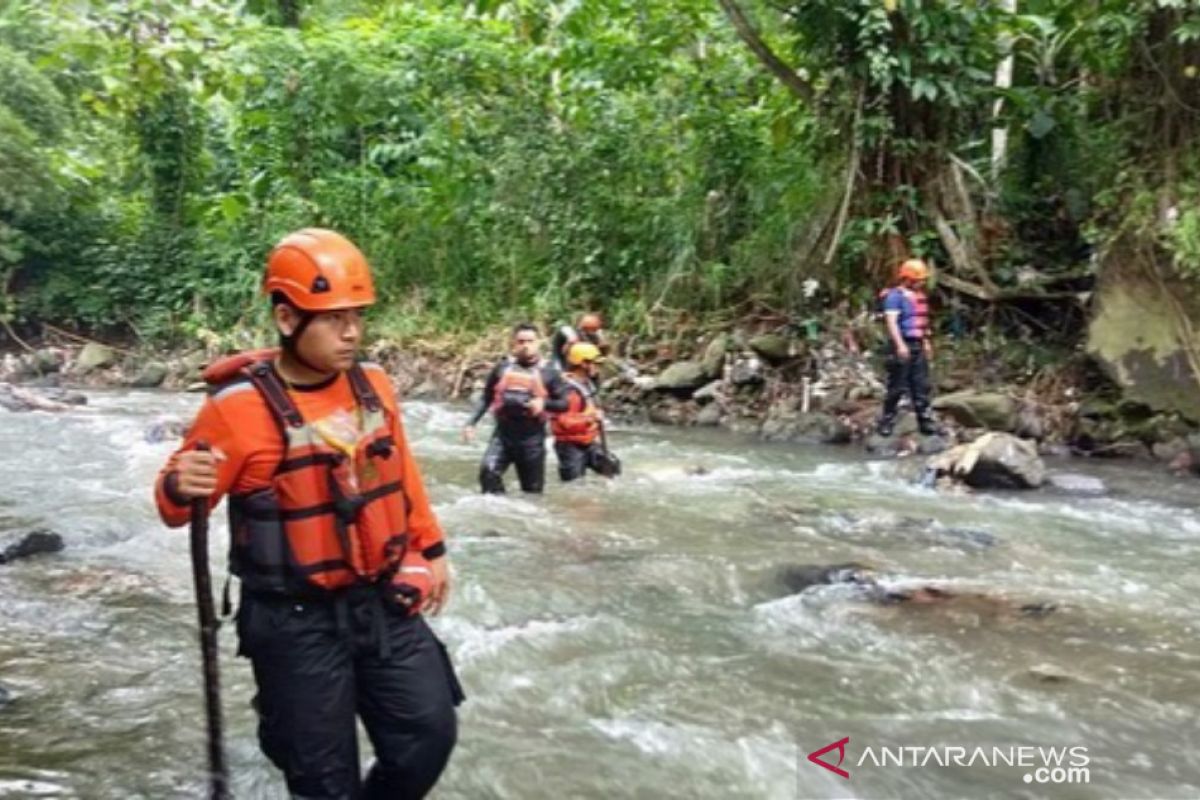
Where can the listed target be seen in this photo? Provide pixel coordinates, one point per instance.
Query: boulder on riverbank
(1144, 334)
(992, 410)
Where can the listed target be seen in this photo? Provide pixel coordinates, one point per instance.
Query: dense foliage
(532, 157)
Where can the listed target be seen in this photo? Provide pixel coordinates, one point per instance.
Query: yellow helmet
(581, 353)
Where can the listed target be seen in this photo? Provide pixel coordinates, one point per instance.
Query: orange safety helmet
(319, 270)
(590, 323)
(914, 269)
(581, 353)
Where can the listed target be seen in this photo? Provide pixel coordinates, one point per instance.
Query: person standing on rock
(577, 430)
(906, 315)
(521, 390)
(589, 329)
(332, 536)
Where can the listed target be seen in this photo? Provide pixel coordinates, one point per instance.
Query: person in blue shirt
(906, 314)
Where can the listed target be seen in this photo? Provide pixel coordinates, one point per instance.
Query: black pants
(318, 664)
(910, 376)
(527, 452)
(576, 459)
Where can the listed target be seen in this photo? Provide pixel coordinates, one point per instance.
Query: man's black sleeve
(489, 392)
(556, 389)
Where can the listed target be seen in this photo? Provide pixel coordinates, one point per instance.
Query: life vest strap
(263, 376)
(361, 501)
(364, 392)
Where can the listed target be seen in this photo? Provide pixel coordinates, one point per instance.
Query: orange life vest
(517, 386)
(914, 320)
(328, 520)
(578, 424)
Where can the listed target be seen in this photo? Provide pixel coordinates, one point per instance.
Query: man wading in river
(332, 536)
(520, 390)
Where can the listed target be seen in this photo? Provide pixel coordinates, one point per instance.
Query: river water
(631, 638)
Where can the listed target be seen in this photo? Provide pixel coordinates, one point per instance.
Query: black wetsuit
(519, 438)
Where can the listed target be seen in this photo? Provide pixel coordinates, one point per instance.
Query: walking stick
(611, 464)
(218, 776)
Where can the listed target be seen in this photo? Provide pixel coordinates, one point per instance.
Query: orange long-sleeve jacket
(236, 422)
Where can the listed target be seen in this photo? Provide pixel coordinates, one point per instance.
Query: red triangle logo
(840, 746)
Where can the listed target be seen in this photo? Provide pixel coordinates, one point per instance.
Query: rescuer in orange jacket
(331, 535)
(577, 429)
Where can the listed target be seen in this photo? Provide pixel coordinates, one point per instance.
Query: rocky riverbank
(782, 385)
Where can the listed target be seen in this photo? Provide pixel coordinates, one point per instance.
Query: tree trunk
(1004, 73)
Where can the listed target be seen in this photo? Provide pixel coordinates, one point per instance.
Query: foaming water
(632, 638)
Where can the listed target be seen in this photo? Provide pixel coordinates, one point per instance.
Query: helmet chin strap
(290, 342)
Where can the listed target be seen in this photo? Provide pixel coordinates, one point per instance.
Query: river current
(632, 638)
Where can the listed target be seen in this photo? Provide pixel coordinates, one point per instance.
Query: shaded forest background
(667, 160)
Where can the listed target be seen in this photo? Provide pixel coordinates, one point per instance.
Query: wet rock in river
(804, 577)
(994, 460)
(1049, 674)
(797, 578)
(31, 544)
(16, 398)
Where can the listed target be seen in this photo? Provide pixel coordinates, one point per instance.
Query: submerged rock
(16, 398)
(1049, 674)
(803, 577)
(31, 544)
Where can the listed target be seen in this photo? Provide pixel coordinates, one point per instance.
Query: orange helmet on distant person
(590, 323)
(914, 269)
(319, 270)
(581, 353)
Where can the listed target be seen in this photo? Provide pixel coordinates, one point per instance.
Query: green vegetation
(531, 157)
